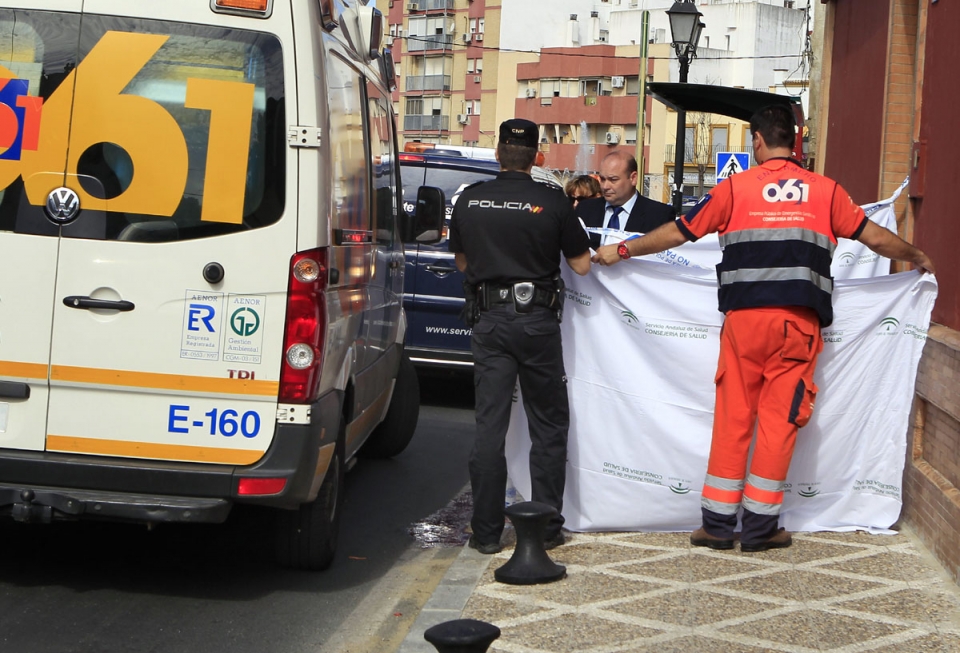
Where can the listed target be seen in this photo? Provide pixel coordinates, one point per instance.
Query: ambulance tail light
(305, 327)
(260, 486)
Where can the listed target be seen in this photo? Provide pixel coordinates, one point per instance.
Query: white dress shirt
(608, 213)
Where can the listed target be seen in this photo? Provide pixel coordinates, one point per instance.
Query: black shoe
(486, 549)
(780, 540)
(701, 537)
(554, 542)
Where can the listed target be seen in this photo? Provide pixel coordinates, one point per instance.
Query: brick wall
(931, 498)
(899, 108)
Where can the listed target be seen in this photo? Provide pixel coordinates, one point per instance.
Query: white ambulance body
(201, 265)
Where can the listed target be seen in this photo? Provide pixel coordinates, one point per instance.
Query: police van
(201, 261)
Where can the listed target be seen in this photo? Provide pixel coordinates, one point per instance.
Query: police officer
(508, 235)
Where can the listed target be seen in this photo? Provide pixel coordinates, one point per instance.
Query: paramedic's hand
(606, 255)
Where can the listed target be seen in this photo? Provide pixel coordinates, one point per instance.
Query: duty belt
(521, 294)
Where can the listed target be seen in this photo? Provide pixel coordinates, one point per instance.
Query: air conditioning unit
(413, 6)
(463, 118)
(476, 79)
(613, 138)
(531, 92)
(478, 36)
(388, 40)
(466, 38)
(616, 82)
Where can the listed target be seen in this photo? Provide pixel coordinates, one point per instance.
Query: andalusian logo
(627, 317)
(847, 259)
(889, 326)
(808, 491)
(678, 488)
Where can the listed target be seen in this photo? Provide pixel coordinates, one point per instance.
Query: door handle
(13, 390)
(440, 269)
(75, 301)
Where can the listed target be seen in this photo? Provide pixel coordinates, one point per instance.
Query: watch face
(623, 251)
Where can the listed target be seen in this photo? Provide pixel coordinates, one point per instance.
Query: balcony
(431, 5)
(417, 123)
(619, 110)
(418, 43)
(669, 150)
(428, 83)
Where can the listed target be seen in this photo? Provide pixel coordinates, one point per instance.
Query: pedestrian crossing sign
(730, 163)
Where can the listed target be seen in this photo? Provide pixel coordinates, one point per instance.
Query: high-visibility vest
(778, 243)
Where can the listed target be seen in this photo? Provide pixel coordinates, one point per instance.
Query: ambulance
(201, 261)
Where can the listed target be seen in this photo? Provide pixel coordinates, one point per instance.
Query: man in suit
(621, 206)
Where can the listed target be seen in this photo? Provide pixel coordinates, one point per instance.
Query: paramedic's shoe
(486, 549)
(700, 537)
(780, 540)
(554, 542)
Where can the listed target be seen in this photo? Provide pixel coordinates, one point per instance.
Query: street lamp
(685, 28)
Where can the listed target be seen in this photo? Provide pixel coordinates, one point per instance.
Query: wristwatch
(623, 251)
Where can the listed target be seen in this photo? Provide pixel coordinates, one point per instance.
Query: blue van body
(432, 285)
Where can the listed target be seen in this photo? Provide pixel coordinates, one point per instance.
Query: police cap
(518, 131)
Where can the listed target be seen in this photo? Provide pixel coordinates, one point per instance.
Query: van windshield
(162, 131)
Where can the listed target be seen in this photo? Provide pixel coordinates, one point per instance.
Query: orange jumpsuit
(778, 226)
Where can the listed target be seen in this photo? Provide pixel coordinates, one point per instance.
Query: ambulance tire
(307, 538)
(396, 430)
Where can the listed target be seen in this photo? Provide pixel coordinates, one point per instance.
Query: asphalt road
(110, 588)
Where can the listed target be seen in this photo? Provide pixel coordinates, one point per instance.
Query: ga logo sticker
(244, 321)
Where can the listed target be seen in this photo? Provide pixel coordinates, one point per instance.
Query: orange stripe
(156, 380)
(763, 496)
(23, 370)
(723, 496)
(180, 452)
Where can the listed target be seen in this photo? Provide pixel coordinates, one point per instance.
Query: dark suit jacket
(646, 216)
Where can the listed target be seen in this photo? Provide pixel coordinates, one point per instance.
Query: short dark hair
(516, 157)
(777, 125)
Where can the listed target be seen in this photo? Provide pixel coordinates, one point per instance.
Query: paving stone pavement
(654, 593)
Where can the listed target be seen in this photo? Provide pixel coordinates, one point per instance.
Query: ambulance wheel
(395, 432)
(307, 538)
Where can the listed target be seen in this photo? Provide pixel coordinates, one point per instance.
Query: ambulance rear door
(37, 51)
(169, 305)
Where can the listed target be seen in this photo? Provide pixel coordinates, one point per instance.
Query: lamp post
(685, 28)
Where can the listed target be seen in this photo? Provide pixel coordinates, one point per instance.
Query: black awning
(737, 103)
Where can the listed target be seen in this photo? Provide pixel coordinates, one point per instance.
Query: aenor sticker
(243, 335)
(202, 320)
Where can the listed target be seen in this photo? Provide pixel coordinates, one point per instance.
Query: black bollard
(462, 636)
(530, 564)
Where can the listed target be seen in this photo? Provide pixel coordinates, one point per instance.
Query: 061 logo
(786, 190)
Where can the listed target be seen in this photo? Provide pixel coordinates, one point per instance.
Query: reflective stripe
(726, 496)
(762, 483)
(763, 496)
(776, 274)
(761, 508)
(732, 484)
(719, 507)
(773, 235)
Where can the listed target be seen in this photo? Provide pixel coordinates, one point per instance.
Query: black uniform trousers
(507, 344)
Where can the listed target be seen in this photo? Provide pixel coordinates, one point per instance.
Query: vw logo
(63, 205)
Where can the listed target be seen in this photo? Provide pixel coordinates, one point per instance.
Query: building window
(549, 88)
(633, 85)
(719, 135)
(630, 134)
(604, 36)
